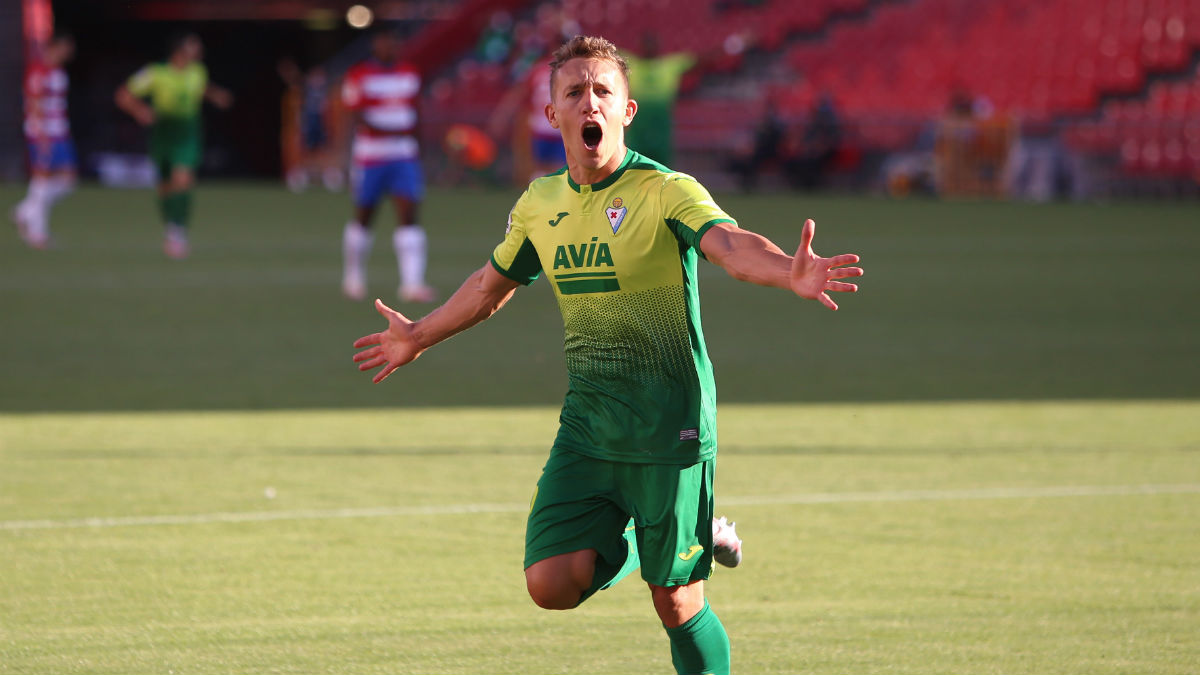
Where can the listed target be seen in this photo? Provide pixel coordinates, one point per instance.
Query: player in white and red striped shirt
(48, 137)
(382, 93)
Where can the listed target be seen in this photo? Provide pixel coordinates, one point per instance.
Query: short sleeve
(515, 257)
(681, 63)
(142, 82)
(689, 210)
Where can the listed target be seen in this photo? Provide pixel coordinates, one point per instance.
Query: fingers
(382, 375)
(844, 259)
(827, 301)
(843, 272)
(368, 340)
(367, 354)
(806, 235)
(386, 311)
(841, 287)
(373, 363)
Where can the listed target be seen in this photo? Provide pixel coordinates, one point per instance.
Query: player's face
(384, 47)
(61, 51)
(590, 106)
(191, 49)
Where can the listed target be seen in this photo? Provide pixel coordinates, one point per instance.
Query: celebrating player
(382, 93)
(630, 475)
(48, 136)
(177, 90)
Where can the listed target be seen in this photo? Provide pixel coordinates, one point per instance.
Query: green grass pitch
(985, 463)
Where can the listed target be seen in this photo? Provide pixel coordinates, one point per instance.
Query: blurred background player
(537, 146)
(177, 90)
(307, 141)
(48, 136)
(654, 80)
(381, 93)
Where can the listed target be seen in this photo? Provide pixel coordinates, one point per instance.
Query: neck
(586, 175)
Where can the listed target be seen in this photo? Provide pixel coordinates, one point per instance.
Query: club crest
(616, 213)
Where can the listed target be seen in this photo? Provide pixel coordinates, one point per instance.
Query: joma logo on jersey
(587, 254)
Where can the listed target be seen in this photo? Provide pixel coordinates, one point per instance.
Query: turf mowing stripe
(458, 509)
(974, 493)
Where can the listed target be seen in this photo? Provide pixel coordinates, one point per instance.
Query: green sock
(700, 645)
(164, 208)
(178, 207)
(184, 208)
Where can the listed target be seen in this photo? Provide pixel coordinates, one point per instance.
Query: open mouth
(592, 134)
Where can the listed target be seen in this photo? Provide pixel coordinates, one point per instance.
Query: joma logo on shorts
(691, 553)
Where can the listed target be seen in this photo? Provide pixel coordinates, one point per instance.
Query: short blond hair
(588, 47)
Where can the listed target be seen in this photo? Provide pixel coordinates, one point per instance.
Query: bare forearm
(130, 104)
(471, 304)
(751, 257)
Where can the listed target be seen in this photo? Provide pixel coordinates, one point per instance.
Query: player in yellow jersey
(177, 90)
(629, 478)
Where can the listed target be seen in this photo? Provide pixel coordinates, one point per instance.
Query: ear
(630, 111)
(551, 116)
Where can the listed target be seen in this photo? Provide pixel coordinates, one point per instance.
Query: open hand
(394, 347)
(812, 276)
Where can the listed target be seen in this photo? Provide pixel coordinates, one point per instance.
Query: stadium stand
(1112, 80)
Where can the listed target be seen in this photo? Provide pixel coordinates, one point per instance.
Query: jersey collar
(612, 178)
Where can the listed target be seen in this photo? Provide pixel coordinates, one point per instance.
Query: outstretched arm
(748, 256)
(133, 105)
(404, 340)
(218, 96)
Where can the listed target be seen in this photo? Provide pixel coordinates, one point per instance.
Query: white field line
(760, 500)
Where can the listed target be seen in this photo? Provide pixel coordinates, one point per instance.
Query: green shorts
(175, 143)
(658, 515)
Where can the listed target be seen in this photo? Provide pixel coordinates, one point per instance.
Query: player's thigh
(672, 509)
(407, 210)
(573, 510)
(63, 158)
(185, 154)
(406, 181)
(368, 182)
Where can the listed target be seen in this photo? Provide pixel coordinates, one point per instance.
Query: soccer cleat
(17, 217)
(32, 235)
(354, 287)
(175, 243)
(727, 548)
(420, 293)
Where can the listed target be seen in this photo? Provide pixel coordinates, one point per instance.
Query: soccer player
(382, 92)
(48, 136)
(524, 107)
(177, 90)
(630, 475)
(655, 79)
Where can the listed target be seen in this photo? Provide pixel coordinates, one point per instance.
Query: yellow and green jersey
(654, 84)
(174, 92)
(621, 256)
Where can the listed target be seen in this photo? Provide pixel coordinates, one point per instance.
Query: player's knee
(675, 605)
(181, 180)
(548, 592)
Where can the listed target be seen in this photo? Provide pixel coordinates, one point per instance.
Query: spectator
(768, 148)
(819, 146)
